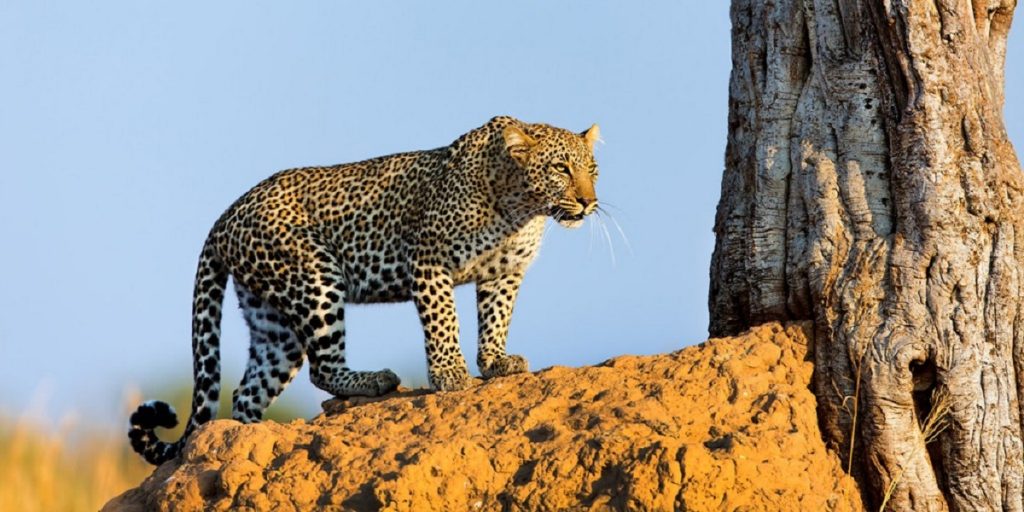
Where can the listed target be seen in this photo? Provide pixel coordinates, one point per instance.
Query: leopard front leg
(495, 299)
(434, 295)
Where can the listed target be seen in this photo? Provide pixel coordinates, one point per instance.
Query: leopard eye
(562, 168)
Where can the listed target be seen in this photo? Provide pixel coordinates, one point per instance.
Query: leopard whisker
(606, 203)
(608, 238)
(622, 233)
(590, 245)
(557, 217)
(524, 217)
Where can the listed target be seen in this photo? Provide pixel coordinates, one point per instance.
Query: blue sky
(126, 128)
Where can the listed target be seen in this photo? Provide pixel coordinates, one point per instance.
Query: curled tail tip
(153, 414)
(144, 420)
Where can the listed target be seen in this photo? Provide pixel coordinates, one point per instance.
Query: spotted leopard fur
(410, 226)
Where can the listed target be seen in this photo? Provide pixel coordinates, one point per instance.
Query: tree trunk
(870, 187)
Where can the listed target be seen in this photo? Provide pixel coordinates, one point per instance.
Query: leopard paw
(451, 379)
(504, 365)
(383, 382)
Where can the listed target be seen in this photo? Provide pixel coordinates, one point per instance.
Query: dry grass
(81, 467)
(70, 469)
(931, 427)
(855, 410)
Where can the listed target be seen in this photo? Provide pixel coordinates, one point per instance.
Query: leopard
(412, 226)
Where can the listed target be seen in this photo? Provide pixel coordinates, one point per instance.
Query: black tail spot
(154, 414)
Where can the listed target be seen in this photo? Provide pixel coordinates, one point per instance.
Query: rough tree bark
(870, 186)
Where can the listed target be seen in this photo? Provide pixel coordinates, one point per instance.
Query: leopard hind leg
(275, 356)
(317, 314)
(325, 343)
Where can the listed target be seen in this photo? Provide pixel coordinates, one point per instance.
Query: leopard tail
(211, 280)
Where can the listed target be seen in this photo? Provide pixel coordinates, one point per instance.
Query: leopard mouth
(565, 218)
(561, 214)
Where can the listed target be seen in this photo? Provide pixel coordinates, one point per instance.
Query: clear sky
(126, 128)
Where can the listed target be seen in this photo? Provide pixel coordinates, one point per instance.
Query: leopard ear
(592, 135)
(518, 143)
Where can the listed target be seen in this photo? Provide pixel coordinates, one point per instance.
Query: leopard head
(559, 168)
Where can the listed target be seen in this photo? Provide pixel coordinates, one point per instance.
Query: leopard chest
(493, 254)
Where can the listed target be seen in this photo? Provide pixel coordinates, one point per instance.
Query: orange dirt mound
(726, 425)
